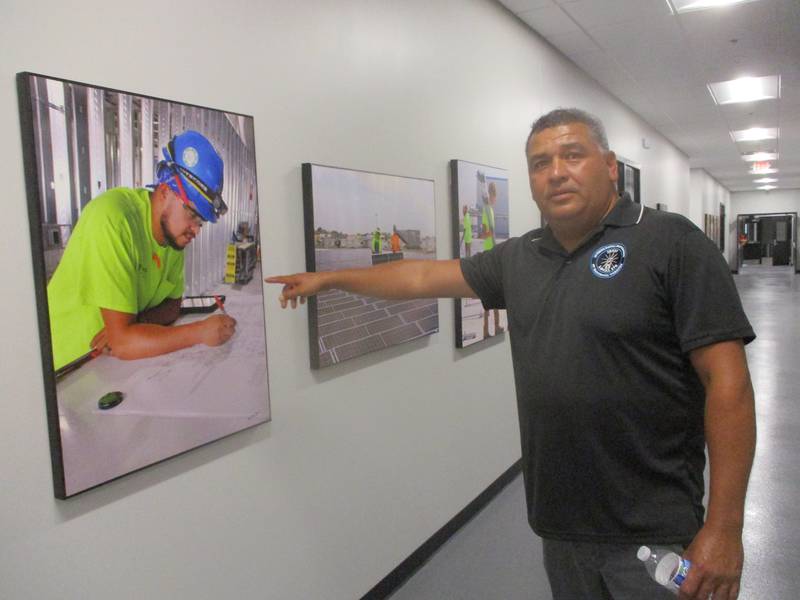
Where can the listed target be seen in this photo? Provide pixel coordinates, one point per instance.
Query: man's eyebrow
(561, 148)
(572, 146)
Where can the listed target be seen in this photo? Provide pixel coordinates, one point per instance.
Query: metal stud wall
(90, 139)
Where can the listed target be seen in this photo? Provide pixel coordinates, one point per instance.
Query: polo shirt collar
(624, 214)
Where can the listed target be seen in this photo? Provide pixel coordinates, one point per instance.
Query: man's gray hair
(565, 116)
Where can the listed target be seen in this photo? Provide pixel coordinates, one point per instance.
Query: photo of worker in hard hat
(481, 220)
(150, 298)
(119, 284)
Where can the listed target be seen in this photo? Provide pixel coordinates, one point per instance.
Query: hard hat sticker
(190, 157)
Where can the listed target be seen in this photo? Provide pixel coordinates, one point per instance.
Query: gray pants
(594, 571)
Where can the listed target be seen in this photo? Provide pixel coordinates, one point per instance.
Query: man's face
(572, 179)
(179, 222)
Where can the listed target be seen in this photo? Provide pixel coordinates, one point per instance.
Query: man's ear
(611, 162)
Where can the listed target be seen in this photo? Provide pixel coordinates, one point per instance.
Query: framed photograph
(479, 196)
(140, 210)
(361, 219)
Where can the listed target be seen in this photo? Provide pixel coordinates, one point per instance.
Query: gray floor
(496, 556)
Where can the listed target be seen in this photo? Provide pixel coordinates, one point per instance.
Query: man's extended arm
(400, 279)
(127, 339)
(730, 426)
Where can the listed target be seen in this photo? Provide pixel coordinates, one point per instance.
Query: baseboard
(394, 580)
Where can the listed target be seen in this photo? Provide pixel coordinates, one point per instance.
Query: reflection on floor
(497, 556)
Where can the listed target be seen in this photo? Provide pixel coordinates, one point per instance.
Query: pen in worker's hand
(220, 305)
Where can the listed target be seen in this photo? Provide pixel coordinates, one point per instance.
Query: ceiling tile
(591, 13)
(549, 21)
(751, 114)
(517, 6)
(658, 34)
(574, 43)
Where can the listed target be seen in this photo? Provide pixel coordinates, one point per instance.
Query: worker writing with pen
(119, 284)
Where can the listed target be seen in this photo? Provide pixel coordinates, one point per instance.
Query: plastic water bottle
(664, 566)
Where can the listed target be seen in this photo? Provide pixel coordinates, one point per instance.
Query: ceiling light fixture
(745, 89)
(762, 171)
(759, 156)
(765, 180)
(682, 6)
(767, 187)
(755, 134)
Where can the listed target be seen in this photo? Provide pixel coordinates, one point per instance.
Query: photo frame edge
(311, 261)
(25, 103)
(456, 247)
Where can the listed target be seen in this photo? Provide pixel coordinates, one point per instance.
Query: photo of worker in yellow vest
(149, 315)
(480, 207)
(489, 242)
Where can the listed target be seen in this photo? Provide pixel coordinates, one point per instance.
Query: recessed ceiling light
(762, 171)
(745, 89)
(754, 134)
(767, 187)
(759, 156)
(765, 180)
(682, 6)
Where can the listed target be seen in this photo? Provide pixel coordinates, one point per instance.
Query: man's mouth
(561, 195)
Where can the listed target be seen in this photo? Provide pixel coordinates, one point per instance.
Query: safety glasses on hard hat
(197, 218)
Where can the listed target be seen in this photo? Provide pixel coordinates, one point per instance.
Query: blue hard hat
(191, 159)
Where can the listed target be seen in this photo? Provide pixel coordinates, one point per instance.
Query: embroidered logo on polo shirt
(157, 260)
(608, 261)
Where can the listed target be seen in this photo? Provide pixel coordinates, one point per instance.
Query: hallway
(771, 297)
(497, 557)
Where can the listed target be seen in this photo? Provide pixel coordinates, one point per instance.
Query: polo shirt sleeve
(705, 303)
(107, 266)
(483, 272)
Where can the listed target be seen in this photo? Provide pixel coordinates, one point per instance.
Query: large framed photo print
(480, 221)
(360, 219)
(144, 229)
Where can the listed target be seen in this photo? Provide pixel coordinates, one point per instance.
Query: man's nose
(557, 169)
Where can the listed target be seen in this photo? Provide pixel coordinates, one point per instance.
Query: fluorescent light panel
(745, 89)
(767, 187)
(765, 180)
(759, 156)
(682, 6)
(755, 134)
(767, 171)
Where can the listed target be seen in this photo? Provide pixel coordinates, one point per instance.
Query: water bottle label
(682, 572)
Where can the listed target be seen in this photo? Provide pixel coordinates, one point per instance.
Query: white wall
(362, 462)
(761, 202)
(706, 196)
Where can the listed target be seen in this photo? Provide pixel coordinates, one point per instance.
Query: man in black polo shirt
(627, 339)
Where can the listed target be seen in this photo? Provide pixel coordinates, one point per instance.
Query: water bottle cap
(643, 554)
